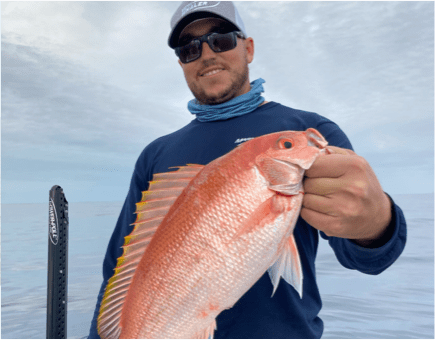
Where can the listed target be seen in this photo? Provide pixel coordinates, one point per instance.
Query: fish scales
(224, 231)
(190, 241)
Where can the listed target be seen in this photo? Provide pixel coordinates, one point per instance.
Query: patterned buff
(238, 106)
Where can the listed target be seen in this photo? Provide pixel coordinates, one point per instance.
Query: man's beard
(225, 95)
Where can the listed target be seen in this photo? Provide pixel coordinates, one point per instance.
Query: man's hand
(343, 198)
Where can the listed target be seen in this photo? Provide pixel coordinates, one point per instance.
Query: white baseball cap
(189, 11)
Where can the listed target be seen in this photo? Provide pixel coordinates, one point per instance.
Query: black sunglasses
(218, 42)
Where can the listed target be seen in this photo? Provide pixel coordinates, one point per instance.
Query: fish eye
(286, 144)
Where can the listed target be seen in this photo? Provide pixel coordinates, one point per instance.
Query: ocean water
(399, 303)
(0, 232)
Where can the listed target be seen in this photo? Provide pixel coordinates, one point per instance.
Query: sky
(85, 86)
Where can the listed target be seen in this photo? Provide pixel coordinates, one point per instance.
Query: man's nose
(207, 52)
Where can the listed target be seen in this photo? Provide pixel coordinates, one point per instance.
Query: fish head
(286, 155)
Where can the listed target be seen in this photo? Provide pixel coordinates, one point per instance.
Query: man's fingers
(332, 165)
(328, 166)
(319, 204)
(318, 220)
(322, 186)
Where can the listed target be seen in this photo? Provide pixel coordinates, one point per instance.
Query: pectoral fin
(288, 266)
(207, 333)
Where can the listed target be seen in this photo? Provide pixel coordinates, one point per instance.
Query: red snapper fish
(205, 234)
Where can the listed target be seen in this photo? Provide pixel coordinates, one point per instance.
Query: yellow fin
(150, 212)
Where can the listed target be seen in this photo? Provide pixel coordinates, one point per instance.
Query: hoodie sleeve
(349, 254)
(139, 183)
(372, 260)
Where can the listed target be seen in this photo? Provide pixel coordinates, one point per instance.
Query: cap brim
(175, 33)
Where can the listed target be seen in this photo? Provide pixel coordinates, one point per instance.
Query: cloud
(59, 121)
(62, 101)
(347, 60)
(80, 30)
(87, 85)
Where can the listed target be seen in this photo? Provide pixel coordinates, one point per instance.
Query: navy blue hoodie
(256, 314)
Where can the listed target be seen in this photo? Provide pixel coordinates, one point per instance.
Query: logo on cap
(199, 5)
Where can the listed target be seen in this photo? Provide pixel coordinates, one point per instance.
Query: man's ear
(180, 63)
(249, 46)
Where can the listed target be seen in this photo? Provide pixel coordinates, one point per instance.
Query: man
(343, 198)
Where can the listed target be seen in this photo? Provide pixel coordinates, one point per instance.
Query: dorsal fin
(150, 211)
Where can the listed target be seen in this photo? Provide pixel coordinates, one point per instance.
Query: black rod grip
(57, 278)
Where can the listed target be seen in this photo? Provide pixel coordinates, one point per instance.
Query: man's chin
(214, 99)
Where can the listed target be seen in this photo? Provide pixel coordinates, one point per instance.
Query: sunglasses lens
(222, 42)
(216, 41)
(190, 52)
